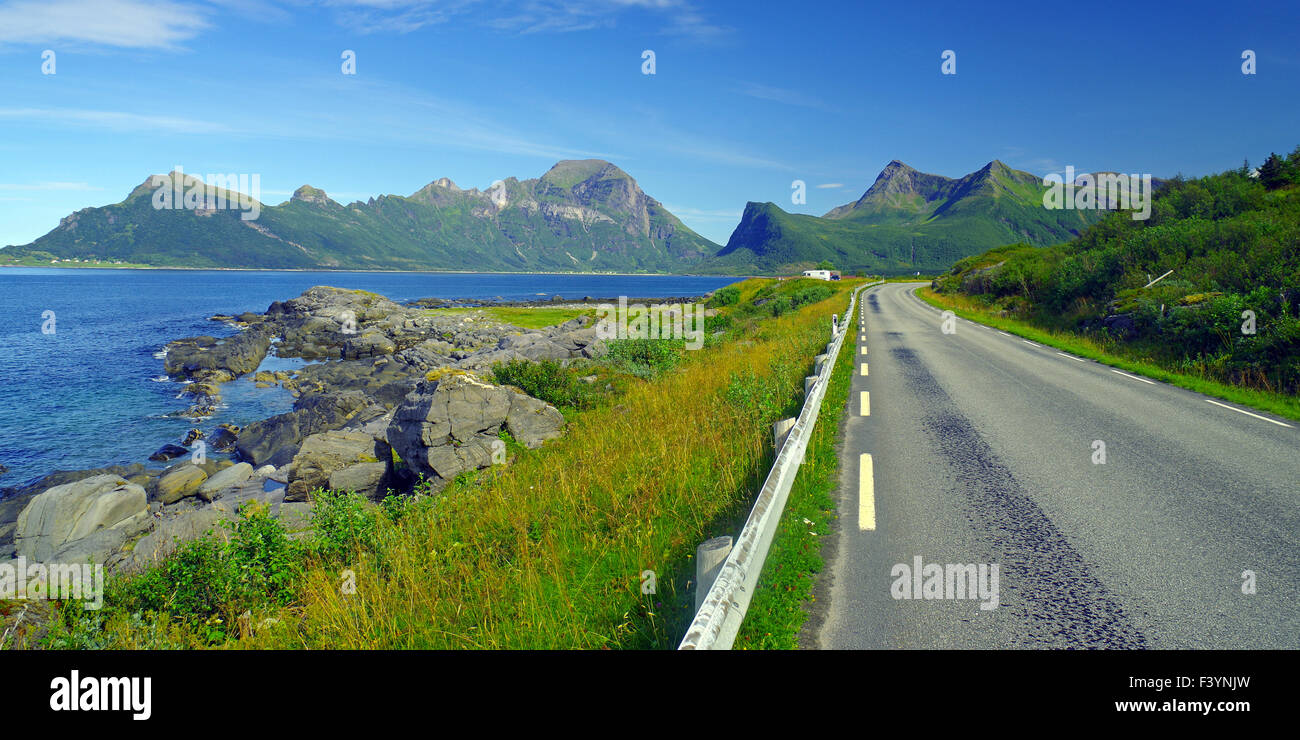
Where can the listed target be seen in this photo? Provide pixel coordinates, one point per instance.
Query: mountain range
(580, 216)
(907, 220)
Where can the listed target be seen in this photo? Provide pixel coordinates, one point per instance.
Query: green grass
(972, 310)
(777, 612)
(523, 317)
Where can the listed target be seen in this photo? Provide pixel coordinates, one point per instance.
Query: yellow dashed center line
(866, 494)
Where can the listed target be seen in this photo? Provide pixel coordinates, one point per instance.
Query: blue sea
(93, 392)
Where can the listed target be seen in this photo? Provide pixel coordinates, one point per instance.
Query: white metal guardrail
(718, 619)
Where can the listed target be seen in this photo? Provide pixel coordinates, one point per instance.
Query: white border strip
(1247, 413)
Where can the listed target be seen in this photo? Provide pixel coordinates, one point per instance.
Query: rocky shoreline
(393, 393)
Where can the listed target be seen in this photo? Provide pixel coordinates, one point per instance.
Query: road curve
(982, 448)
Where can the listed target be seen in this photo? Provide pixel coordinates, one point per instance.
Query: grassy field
(586, 542)
(526, 317)
(1114, 354)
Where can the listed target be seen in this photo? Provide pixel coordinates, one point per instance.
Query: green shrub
(728, 296)
(555, 383)
(255, 562)
(547, 380)
(645, 358)
(342, 523)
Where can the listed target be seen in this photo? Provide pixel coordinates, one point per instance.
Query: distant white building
(817, 274)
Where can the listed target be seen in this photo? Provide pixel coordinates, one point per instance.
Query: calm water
(92, 393)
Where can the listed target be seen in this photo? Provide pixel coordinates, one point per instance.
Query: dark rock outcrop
(236, 355)
(274, 441)
(169, 452)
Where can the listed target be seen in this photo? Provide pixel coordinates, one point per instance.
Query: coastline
(12, 488)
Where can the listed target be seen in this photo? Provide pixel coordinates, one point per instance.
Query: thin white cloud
(830, 185)
(1019, 158)
(780, 95)
(686, 21)
(679, 17)
(403, 115)
(132, 24)
(703, 214)
(35, 186)
(114, 120)
(395, 16)
(721, 155)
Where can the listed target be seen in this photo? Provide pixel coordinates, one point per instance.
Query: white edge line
(1133, 377)
(1247, 413)
(1072, 357)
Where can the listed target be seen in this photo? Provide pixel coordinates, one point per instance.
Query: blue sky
(747, 96)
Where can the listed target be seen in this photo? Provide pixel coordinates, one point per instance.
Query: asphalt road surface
(981, 448)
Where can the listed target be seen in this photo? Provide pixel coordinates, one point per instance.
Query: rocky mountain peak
(309, 194)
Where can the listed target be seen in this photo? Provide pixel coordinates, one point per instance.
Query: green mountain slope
(1230, 243)
(585, 215)
(907, 220)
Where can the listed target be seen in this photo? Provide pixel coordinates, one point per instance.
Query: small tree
(1274, 173)
(825, 265)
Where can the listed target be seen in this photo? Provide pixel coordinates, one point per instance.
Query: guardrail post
(808, 383)
(780, 431)
(709, 558)
(818, 361)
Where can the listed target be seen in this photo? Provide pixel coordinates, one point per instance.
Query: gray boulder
(448, 426)
(179, 482)
(75, 511)
(534, 346)
(325, 453)
(369, 479)
(531, 422)
(274, 441)
(228, 478)
(369, 344)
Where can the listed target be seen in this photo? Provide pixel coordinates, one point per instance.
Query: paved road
(983, 450)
